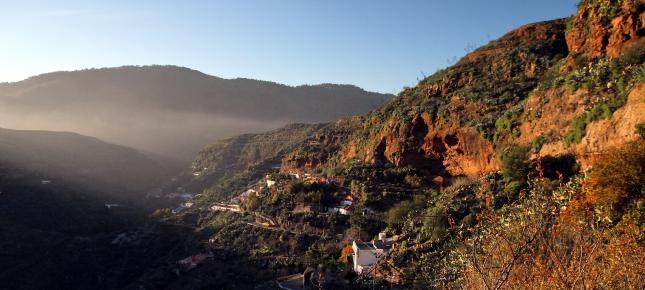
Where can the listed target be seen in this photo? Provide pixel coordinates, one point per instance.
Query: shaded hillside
(169, 110)
(87, 163)
(234, 162)
(63, 235)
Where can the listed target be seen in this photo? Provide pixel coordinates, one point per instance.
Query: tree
(252, 202)
(515, 162)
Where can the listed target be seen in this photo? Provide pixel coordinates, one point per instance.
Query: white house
(366, 255)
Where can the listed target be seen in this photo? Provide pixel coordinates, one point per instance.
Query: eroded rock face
(437, 151)
(301, 163)
(553, 111)
(604, 134)
(603, 26)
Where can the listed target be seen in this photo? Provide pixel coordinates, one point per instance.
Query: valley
(519, 166)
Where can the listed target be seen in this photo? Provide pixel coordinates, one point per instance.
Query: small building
(226, 207)
(366, 255)
(270, 183)
(346, 210)
(193, 261)
(111, 205)
(45, 182)
(345, 207)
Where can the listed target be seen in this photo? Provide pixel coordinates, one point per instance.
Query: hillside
(63, 234)
(537, 86)
(84, 162)
(169, 110)
(521, 166)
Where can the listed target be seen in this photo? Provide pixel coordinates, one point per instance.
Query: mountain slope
(521, 166)
(537, 86)
(86, 162)
(169, 110)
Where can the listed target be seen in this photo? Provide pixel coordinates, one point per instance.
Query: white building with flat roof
(366, 255)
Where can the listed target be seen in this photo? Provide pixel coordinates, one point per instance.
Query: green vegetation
(640, 129)
(399, 212)
(579, 124)
(515, 161)
(609, 78)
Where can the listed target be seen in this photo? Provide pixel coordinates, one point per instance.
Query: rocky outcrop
(438, 152)
(606, 26)
(553, 110)
(301, 163)
(604, 134)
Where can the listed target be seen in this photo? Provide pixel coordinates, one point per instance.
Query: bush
(435, 224)
(399, 212)
(634, 54)
(252, 203)
(515, 161)
(640, 129)
(597, 112)
(617, 178)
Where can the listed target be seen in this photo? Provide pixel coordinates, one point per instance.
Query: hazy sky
(377, 45)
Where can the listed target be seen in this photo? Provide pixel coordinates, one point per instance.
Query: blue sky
(378, 45)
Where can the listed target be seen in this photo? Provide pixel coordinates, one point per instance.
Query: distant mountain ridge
(170, 110)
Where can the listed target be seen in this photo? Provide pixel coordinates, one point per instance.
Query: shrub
(617, 177)
(513, 188)
(515, 161)
(640, 129)
(399, 212)
(413, 180)
(597, 112)
(537, 143)
(435, 224)
(252, 202)
(634, 54)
